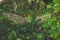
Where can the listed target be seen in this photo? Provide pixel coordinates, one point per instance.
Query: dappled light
(29, 19)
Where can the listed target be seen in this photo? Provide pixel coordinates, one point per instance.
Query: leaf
(28, 37)
(18, 39)
(12, 35)
(1, 17)
(45, 24)
(30, 18)
(39, 35)
(49, 6)
(57, 23)
(54, 34)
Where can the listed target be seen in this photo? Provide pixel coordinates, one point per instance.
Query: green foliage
(35, 29)
(18, 39)
(40, 36)
(1, 18)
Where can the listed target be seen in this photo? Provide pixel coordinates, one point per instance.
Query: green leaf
(18, 39)
(39, 35)
(45, 24)
(54, 34)
(1, 17)
(49, 6)
(28, 37)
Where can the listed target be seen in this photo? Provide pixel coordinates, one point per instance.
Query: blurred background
(29, 19)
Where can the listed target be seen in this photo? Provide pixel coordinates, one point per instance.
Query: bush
(49, 29)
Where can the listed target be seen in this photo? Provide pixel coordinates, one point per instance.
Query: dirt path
(19, 19)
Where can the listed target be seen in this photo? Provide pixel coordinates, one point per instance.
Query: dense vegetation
(49, 29)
